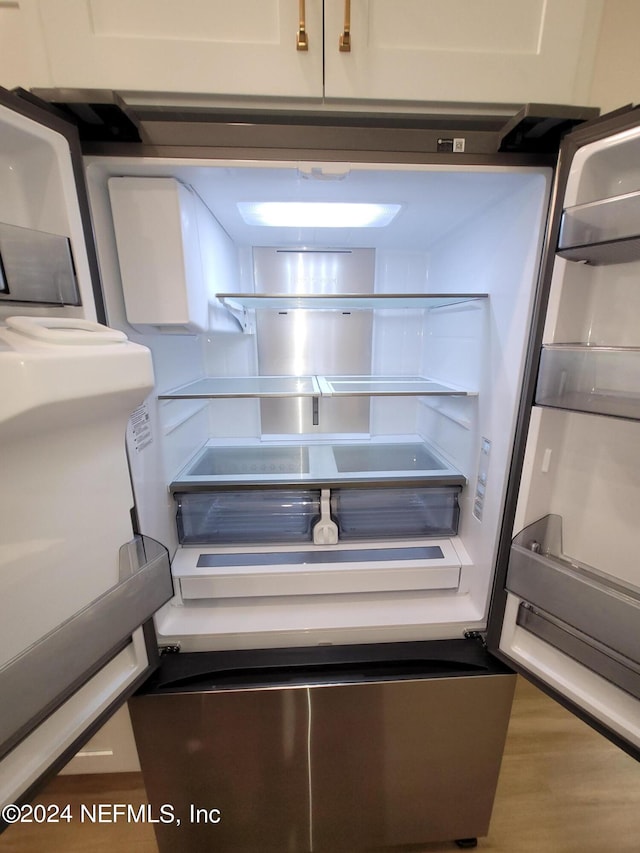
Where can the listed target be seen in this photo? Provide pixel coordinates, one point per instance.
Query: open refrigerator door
(570, 579)
(76, 581)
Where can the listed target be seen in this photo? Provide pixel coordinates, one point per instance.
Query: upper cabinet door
(462, 50)
(482, 51)
(244, 47)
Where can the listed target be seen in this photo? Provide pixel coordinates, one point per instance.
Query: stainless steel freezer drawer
(326, 749)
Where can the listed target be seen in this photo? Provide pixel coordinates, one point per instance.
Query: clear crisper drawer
(236, 517)
(382, 513)
(598, 380)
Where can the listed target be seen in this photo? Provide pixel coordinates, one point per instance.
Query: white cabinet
(111, 750)
(401, 50)
(247, 47)
(463, 50)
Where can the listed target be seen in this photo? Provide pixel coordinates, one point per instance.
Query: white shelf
(344, 302)
(313, 386)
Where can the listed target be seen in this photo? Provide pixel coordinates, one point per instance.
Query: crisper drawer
(382, 513)
(259, 515)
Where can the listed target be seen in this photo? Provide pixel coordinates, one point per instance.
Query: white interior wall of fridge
(475, 231)
(497, 252)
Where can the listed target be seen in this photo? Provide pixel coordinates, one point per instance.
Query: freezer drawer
(324, 749)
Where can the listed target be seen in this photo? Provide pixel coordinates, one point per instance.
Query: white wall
(616, 73)
(14, 60)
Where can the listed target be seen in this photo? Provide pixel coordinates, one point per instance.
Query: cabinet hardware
(345, 38)
(302, 40)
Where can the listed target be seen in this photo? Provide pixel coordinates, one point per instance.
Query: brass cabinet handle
(345, 38)
(302, 40)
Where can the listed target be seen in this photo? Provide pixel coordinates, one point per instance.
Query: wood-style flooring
(563, 789)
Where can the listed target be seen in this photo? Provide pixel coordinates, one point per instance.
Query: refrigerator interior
(288, 385)
(582, 470)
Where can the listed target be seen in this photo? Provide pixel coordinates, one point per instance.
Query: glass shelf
(592, 379)
(294, 463)
(602, 232)
(344, 302)
(383, 386)
(245, 386)
(313, 386)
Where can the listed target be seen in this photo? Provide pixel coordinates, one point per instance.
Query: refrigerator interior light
(297, 214)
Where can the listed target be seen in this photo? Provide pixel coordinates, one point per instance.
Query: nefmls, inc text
(145, 813)
(126, 813)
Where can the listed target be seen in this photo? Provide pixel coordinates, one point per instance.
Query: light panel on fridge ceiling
(295, 214)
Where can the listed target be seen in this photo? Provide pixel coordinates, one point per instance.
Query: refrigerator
(308, 492)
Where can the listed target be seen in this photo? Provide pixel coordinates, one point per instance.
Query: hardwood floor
(563, 789)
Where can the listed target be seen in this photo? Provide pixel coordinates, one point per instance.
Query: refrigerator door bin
(596, 656)
(53, 668)
(599, 614)
(265, 515)
(372, 513)
(594, 379)
(602, 232)
(260, 736)
(36, 267)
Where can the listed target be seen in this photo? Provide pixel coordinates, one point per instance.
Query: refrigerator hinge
(169, 650)
(476, 635)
